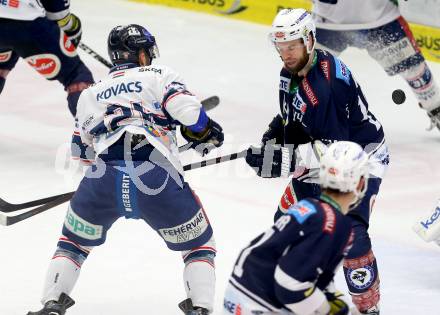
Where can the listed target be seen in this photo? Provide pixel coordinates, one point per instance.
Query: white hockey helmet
(291, 24)
(342, 167)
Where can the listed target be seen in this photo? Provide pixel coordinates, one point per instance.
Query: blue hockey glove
(275, 133)
(71, 25)
(206, 140)
(271, 160)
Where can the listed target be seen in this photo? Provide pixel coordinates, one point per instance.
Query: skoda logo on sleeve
(361, 278)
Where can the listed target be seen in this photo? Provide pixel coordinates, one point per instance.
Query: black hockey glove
(271, 160)
(203, 142)
(71, 25)
(275, 133)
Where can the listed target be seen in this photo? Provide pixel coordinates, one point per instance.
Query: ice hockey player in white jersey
(378, 27)
(129, 119)
(45, 34)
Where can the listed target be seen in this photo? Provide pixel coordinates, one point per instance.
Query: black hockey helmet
(125, 42)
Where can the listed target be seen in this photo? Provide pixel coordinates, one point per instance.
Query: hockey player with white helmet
(320, 101)
(289, 269)
(129, 120)
(378, 27)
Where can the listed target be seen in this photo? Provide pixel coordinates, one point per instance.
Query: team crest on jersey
(66, 45)
(48, 65)
(361, 278)
(302, 211)
(5, 56)
(342, 71)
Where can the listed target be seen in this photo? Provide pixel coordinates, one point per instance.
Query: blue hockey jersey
(303, 249)
(327, 104)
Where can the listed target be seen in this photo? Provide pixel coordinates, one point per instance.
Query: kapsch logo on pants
(66, 46)
(47, 65)
(5, 56)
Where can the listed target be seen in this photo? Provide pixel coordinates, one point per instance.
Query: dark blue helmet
(125, 42)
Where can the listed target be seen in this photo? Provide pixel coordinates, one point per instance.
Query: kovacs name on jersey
(119, 88)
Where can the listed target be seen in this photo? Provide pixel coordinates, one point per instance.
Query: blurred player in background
(378, 27)
(320, 101)
(129, 119)
(289, 269)
(45, 34)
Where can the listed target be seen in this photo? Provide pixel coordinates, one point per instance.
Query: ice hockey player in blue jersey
(46, 35)
(320, 101)
(289, 269)
(129, 121)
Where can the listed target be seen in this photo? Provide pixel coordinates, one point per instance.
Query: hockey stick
(216, 160)
(5, 206)
(9, 220)
(60, 199)
(94, 54)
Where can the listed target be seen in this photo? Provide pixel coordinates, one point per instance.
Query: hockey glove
(275, 133)
(271, 160)
(206, 140)
(71, 25)
(337, 304)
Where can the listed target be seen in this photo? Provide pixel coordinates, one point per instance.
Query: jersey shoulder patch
(341, 71)
(302, 210)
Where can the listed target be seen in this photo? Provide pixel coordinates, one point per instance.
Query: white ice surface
(134, 273)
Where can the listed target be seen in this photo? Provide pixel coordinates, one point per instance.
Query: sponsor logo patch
(288, 198)
(231, 307)
(279, 35)
(66, 46)
(361, 278)
(187, 231)
(309, 92)
(329, 219)
(81, 227)
(302, 211)
(325, 69)
(48, 65)
(395, 53)
(14, 3)
(284, 85)
(5, 56)
(434, 217)
(125, 193)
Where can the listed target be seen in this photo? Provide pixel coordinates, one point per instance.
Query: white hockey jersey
(28, 10)
(354, 14)
(139, 100)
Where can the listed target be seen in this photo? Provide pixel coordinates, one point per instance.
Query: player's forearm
(184, 108)
(56, 10)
